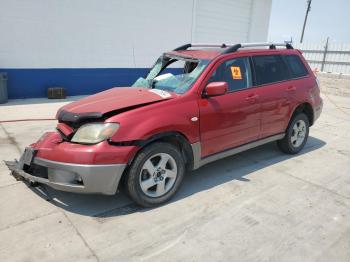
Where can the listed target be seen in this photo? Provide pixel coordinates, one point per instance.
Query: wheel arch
(172, 137)
(305, 108)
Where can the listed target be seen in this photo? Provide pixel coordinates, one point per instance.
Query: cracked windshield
(175, 74)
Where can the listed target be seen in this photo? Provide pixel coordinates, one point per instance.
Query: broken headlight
(93, 133)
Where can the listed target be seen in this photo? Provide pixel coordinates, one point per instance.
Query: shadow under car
(237, 167)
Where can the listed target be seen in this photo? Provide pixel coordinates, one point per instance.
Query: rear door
(272, 74)
(232, 119)
(299, 81)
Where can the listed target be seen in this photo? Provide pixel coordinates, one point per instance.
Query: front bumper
(79, 178)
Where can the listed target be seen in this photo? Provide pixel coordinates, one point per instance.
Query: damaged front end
(78, 156)
(24, 168)
(74, 158)
(102, 179)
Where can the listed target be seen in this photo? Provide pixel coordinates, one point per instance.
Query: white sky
(326, 18)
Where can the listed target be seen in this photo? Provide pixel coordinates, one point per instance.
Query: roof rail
(233, 48)
(243, 45)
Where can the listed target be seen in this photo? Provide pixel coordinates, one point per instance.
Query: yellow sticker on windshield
(236, 72)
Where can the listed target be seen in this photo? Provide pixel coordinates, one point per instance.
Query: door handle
(291, 88)
(252, 97)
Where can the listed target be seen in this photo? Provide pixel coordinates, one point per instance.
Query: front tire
(155, 174)
(296, 135)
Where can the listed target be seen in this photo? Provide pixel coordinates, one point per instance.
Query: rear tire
(296, 135)
(155, 174)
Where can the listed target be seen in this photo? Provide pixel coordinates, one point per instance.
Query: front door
(232, 119)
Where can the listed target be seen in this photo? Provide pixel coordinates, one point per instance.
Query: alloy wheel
(158, 175)
(298, 133)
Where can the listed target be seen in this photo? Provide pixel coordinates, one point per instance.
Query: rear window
(296, 66)
(270, 69)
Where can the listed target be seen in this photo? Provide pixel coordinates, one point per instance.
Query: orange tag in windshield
(236, 72)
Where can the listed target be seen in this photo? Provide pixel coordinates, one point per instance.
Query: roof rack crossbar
(186, 46)
(183, 47)
(232, 49)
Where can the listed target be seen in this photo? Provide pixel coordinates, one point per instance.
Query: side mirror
(215, 89)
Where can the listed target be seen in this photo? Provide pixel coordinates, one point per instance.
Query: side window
(270, 69)
(236, 72)
(296, 66)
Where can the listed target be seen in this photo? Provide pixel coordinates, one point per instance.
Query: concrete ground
(260, 205)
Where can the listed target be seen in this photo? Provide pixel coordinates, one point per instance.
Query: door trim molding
(198, 161)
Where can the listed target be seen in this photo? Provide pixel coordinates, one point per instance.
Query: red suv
(197, 104)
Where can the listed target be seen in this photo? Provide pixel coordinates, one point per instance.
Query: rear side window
(296, 66)
(270, 69)
(236, 72)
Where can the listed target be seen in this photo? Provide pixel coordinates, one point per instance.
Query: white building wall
(221, 21)
(259, 22)
(119, 33)
(89, 33)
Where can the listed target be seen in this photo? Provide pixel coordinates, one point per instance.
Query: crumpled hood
(95, 106)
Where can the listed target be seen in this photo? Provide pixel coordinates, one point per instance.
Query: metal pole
(324, 55)
(307, 12)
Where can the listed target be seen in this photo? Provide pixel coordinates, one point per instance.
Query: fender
(293, 111)
(174, 137)
(173, 115)
(306, 97)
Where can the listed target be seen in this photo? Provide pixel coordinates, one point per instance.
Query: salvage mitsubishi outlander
(198, 103)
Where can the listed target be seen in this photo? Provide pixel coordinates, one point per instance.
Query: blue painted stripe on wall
(29, 83)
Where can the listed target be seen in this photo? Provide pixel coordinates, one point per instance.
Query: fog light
(79, 180)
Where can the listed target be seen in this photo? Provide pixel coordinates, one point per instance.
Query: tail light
(317, 82)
